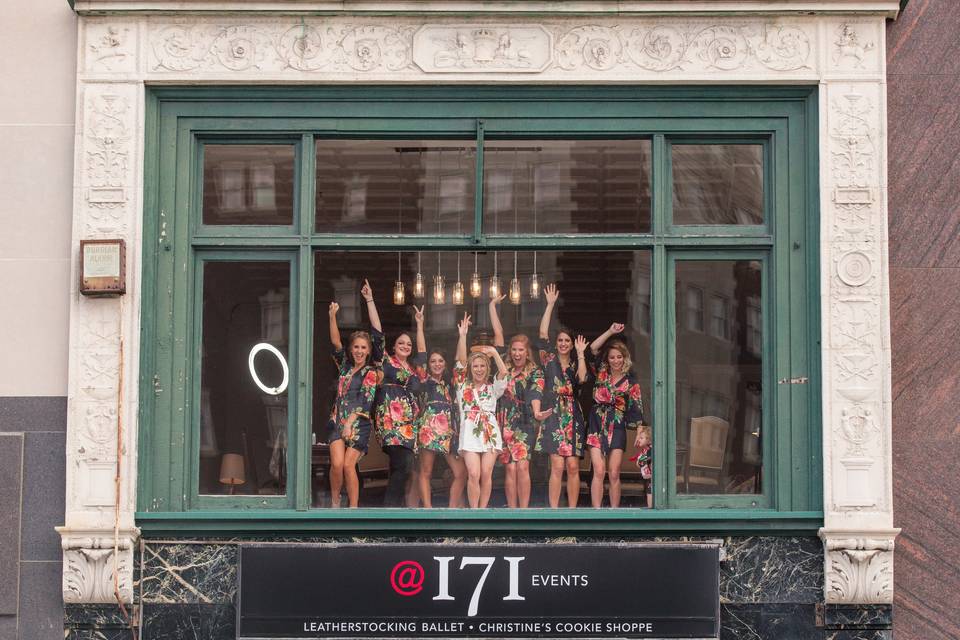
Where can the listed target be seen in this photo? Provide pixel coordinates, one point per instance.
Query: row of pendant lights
(475, 285)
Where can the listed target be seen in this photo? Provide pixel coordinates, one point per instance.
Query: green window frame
(175, 243)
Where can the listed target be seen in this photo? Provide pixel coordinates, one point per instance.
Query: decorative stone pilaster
(119, 53)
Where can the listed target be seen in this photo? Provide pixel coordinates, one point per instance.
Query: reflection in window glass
(566, 186)
(395, 186)
(719, 420)
(248, 184)
(717, 183)
(243, 428)
(694, 309)
(596, 289)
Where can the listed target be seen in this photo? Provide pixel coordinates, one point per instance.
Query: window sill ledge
(433, 522)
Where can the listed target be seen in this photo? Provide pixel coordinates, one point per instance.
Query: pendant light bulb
(439, 290)
(515, 295)
(494, 287)
(534, 287)
(476, 287)
(418, 286)
(399, 295)
(457, 293)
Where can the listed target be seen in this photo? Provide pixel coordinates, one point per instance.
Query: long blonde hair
(529, 365)
(477, 355)
(620, 346)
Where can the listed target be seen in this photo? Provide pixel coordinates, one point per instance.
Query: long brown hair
(530, 363)
(362, 335)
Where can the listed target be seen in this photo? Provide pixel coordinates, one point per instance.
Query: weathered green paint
(179, 120)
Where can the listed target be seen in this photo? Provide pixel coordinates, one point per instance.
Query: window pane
(248, 184)
(566, 186)
(243, 428)
(596, 289)
(717, 184)
(719, 417)
(395, 186)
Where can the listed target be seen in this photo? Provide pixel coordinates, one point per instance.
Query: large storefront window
(387, 311)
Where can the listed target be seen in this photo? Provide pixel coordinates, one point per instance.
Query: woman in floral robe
(396, 409)
(437, 423)
(518, 412)
(480, 438)
(565, 430)
(618, 406)
(350, 419)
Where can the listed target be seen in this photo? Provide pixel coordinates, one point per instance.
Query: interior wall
(924, 175)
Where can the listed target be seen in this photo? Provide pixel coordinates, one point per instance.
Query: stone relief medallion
(855, 268)
(597, 48)
(483, 48)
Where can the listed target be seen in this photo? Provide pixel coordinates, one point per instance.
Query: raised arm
(463, 327)
(367, 292)
(614, 329)
(552, 294)
(580, 344)
(334, 329)
(495, 355)
(495, 321)
(421, 340)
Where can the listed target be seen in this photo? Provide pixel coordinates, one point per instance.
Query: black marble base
(770, 587)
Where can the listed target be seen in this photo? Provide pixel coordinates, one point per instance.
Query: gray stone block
(41, 601)
(11, 477)
(44, 489)
(39, 413)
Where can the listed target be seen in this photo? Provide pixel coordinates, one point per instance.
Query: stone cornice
(886, 8)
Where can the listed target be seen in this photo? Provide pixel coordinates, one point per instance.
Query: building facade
(232, 145)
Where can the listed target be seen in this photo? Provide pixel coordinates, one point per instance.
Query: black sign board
(479, 591)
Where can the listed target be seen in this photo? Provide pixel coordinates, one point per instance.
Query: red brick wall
(923, 58)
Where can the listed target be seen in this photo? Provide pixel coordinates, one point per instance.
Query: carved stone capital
(858, 565)
(97, 567)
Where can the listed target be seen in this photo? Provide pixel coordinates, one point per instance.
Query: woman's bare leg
(596, 483)
(472, 462)
(613, 471)
(336, 472)
(423, 477)
(556, 480)
(487, 462)
(573, 481)
(350, 459)
(510, 484)
(523, 484)
(459, 471)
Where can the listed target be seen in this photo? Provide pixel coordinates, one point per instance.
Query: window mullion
(478, 189)
(661, 411)
(303, 423)
(306, 189)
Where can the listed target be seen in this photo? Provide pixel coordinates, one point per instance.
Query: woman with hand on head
(618, 406)
(480, 438)
(518, 411)
(437, 423)
(350, 420)
(564, 369)
(395, 412)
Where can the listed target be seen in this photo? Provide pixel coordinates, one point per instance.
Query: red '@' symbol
(407, 578)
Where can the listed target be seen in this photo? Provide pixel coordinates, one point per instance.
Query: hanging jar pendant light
(534, 280)
(457, 293)
(515, 283)
(399, 293)
(494, 279)
(418, 289)
(439, 289)
(476, 288)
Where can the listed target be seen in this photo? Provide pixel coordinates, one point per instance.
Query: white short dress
(479, 431)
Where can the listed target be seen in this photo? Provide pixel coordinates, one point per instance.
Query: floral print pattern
(479, 430)
(356, 392)
(520, 430)
(565, 429)
(437, 423)
(617, 406)
(396, 407)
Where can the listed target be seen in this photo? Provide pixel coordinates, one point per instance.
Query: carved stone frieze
(411, 48)
(854, 47)
(111, 47)
(858, 570)
(92, 571)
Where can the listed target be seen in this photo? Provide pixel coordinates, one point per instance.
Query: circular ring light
(274, 391)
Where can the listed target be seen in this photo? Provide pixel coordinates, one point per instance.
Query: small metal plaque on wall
(479, 591)
(103, 267)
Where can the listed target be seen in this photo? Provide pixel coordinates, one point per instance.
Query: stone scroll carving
(859, 570)
(90, 565)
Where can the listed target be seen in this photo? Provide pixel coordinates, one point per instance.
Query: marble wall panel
(188, 573)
